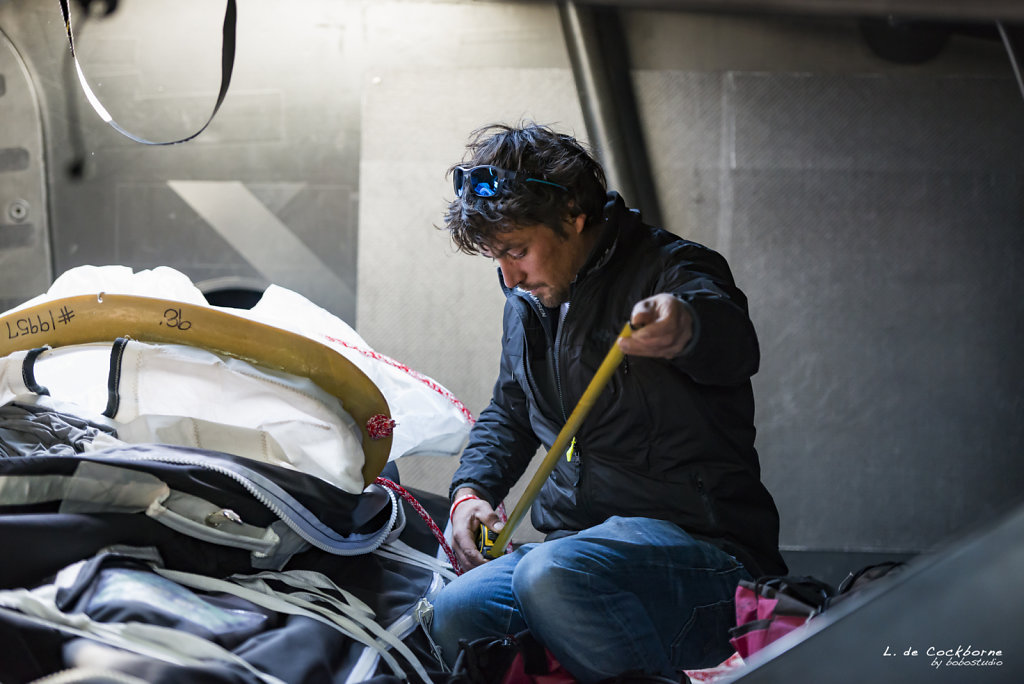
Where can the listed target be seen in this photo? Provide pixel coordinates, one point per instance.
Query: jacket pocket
(706, 501)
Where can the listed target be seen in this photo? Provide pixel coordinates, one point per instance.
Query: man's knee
(461, 612)
(554, 574)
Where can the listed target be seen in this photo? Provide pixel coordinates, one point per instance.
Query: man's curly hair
(531, 151)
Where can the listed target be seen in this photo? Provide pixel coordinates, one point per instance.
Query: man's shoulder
(658, 247)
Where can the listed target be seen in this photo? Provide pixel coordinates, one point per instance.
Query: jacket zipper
(558, 366)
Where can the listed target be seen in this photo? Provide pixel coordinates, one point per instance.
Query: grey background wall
(872, 211)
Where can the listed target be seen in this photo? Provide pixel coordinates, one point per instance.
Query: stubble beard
(552, 297)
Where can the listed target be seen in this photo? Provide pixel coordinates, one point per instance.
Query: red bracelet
(455, 505)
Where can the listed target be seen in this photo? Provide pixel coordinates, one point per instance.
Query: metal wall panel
(24, 220)
(268, 193)
(873, 214)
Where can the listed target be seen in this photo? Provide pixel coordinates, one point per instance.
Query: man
(656, 511)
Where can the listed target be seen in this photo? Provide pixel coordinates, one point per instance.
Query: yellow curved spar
(105, 317)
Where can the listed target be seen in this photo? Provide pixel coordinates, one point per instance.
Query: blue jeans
(630, 594)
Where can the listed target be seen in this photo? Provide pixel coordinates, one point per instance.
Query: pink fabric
(754, 640)
(726, 671)
(555, 673)
(752, 608)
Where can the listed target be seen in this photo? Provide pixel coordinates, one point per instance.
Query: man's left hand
(664, 327)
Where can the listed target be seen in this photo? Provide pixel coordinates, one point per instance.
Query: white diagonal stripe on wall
(262, 239)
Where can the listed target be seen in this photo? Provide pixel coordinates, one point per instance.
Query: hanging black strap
(28, 372)
(227, 62)
(114, 377)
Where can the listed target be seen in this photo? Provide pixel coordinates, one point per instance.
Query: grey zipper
(417, 616)
(298, 520)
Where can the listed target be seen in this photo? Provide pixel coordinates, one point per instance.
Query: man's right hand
(466, 520)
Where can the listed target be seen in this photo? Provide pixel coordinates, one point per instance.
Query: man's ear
(579, 222)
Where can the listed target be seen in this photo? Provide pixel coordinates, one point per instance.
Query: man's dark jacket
(672, 440)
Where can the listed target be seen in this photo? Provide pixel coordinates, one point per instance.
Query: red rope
(380, 426)
(438, 534)
(377, 356)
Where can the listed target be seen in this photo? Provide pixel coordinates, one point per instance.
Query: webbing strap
(308, 580)
(316, 586)
(28, 371)
(153, 641)
(114, 377)
(402, 552)
(89, 675)
(353, 622)
(227, 63)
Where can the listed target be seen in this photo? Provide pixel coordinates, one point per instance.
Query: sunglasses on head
(487, 180)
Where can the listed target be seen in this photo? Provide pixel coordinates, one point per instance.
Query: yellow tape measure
(485, 539)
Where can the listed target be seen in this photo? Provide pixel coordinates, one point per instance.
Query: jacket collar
(617, 221)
